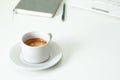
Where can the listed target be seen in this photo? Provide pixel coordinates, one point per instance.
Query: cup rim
(34, 46)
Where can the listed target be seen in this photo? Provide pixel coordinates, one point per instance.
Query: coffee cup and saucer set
(36, 51)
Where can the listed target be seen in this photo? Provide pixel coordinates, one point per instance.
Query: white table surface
(90, 44)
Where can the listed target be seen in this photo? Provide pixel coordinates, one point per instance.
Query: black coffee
(35, 42)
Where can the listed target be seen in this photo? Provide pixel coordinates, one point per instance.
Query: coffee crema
(35, 42)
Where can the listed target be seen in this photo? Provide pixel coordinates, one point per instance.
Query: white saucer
(55, 56)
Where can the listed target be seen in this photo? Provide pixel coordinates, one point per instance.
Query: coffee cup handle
(50, 36)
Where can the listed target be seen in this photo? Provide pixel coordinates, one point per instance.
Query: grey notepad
(46, 8)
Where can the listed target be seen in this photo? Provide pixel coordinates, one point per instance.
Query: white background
(90, 43)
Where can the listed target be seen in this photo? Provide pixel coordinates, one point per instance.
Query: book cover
(46, 8)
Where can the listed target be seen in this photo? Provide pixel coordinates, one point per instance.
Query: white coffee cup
(39, 53)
